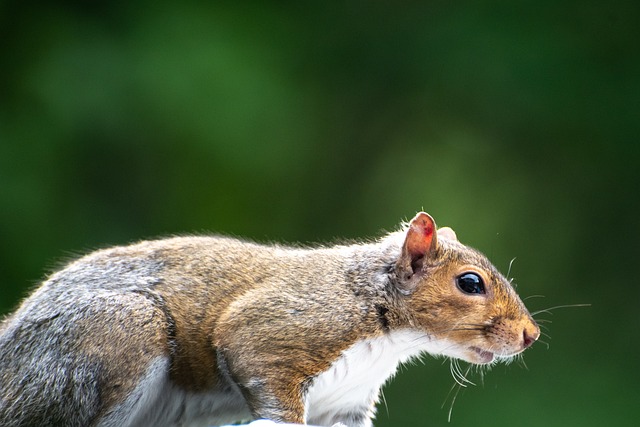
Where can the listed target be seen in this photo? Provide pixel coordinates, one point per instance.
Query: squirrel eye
(470, 283)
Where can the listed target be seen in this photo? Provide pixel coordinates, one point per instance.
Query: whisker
(467, 373)
(455, 374)
(548, 310)
(453, 401)
(448, 394)
(510, 264)
(543, 342)
(522, 362)
(384, 400)
(458, 376)
(533, 296)
(457, 386)
(480, 370)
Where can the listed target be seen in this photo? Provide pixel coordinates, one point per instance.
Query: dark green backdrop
(515, 123)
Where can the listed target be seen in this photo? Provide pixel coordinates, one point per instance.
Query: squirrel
(206, 330)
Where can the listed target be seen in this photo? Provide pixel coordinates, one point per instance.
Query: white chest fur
(349, 388)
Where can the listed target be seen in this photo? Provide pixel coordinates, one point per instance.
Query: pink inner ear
(420, 235)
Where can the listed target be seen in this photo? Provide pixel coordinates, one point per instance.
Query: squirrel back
(211, 330)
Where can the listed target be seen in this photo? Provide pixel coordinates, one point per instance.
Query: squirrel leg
(270, 403)
(277, 397)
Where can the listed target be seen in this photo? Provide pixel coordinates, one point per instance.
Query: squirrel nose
(529, 338)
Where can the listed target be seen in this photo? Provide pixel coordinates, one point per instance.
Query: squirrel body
(204, 331)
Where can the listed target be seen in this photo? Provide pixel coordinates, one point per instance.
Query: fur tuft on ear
(421, 240)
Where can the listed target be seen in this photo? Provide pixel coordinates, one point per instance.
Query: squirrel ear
(420, 241)
(447, 233)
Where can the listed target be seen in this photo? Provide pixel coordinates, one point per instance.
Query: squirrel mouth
(485, 356)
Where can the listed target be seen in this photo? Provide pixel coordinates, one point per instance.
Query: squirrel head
(458, 298)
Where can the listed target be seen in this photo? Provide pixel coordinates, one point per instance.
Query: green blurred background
(515, 123)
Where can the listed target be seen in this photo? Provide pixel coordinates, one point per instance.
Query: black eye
(470, 283)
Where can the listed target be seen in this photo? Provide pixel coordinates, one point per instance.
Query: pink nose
(528, 338)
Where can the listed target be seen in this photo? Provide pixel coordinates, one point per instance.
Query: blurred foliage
(516, 123)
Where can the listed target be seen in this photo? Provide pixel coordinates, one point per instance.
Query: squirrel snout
(529, 336)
